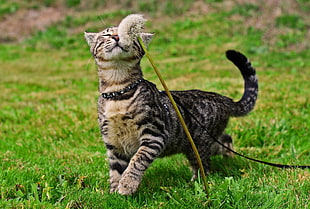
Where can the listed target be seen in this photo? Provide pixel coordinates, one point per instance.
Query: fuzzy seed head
(130, 27)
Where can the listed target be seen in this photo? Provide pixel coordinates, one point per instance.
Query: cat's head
(108, 45)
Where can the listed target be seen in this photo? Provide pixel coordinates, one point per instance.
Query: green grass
(51, 152)
(7, 7)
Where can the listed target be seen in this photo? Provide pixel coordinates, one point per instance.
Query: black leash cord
(241, 155)
(260, 161)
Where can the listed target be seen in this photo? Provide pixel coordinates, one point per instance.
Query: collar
(110, 95)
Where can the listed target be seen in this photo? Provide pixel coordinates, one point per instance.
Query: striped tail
(247, 102)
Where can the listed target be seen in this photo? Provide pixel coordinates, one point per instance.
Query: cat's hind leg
(219, 149)
(214, 149)
(205, 158)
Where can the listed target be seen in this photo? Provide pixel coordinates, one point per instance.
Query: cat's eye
(106, 35)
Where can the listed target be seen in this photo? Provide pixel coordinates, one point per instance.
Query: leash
(237, 153)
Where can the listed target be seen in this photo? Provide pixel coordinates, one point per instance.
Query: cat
(137, 121)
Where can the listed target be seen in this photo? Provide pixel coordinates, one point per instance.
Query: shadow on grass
(166, 182)
(226, 166)
(175, 172)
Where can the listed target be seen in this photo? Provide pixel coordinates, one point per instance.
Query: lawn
(51, 152)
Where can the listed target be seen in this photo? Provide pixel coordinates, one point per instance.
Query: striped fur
(139, 125)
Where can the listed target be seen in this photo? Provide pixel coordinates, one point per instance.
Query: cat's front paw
(128, 185)
(113, 189)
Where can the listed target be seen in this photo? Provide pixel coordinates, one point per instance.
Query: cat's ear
(90, 38)
(146, 38)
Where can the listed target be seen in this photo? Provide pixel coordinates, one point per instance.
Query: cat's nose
(115, 37)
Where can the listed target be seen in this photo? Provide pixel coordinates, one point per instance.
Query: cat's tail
(247, 102)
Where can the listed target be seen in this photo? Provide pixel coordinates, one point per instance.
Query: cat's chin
(117, 53)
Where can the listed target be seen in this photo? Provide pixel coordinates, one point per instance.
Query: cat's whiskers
(87, 67)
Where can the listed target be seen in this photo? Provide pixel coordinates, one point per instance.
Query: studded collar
(111, 95)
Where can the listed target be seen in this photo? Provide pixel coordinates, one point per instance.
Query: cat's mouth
(117, 47)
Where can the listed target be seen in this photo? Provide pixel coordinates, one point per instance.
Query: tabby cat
(138, 122)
